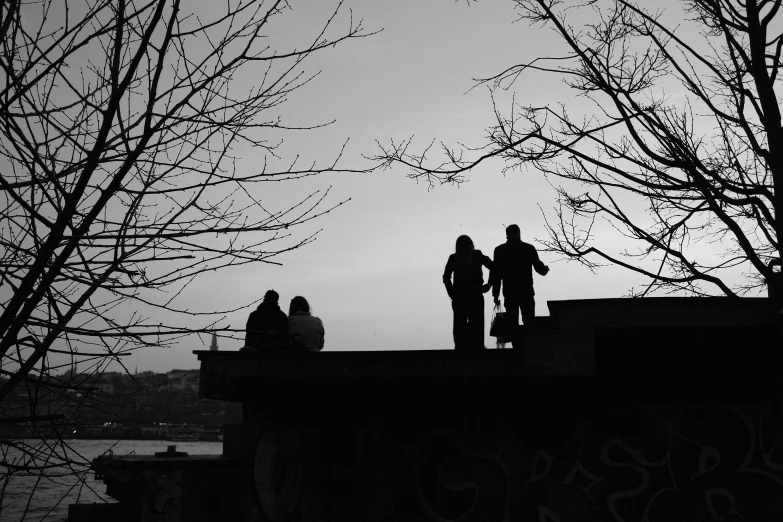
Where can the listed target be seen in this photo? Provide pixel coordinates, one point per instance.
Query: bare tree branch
(707, 168)
(121, 123)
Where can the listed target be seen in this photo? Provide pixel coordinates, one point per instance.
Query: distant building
(177, 374)
(105, 387)
(182, 380)
(142, 402)
(213, 347)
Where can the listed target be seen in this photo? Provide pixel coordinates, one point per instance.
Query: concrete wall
(560, 431)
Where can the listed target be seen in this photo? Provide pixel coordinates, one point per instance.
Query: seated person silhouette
(512, 268)
(267, 325)
(305, 331)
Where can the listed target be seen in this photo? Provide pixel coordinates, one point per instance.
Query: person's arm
(487, 262)
(495, 278)
(447, 272)
(323, 335)
(282, 327)
(248, 331)
(291, 330)
(540, 267)
(253, 331)
(297, 333)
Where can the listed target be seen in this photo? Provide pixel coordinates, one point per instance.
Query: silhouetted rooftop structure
(615, 339)
(616, 408)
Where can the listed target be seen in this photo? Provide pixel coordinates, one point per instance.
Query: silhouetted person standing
(466, 291)
(267, 325)
(512, 269)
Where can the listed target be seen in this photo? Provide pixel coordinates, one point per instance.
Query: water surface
(66, 478)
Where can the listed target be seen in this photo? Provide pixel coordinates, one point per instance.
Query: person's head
(271, 297)
(298, 304)
(512, 233)
(464, 245)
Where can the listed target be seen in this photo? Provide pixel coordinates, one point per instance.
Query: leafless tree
(120, 181)
(686, 124)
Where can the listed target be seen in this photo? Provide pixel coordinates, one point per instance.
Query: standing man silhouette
(512, 269)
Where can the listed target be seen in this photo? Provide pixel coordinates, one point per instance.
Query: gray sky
(374, 273)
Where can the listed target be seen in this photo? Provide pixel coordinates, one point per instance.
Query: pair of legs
(468, 310)
(527, 306)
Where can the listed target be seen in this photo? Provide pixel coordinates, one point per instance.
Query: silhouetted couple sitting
(511, 269)
(268, 328)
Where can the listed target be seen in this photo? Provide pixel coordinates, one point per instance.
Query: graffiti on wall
(705, 462)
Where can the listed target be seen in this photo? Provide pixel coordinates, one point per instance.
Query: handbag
(498, 327)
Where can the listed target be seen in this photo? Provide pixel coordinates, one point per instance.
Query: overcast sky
(374, 273)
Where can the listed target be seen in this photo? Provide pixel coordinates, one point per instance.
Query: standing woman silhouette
(465, 292)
